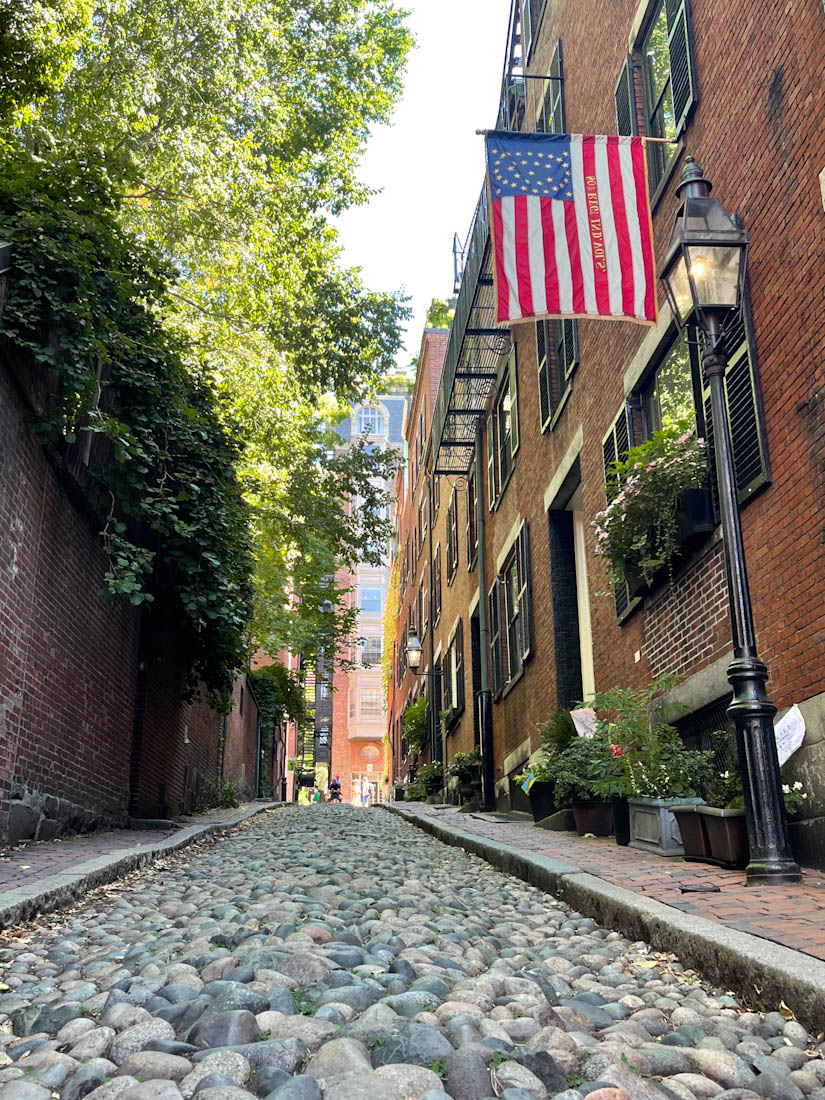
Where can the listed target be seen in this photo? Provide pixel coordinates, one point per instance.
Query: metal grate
(696, 731)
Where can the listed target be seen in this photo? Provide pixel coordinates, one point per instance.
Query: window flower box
(694, 519)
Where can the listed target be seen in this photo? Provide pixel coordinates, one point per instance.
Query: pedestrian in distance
(366, 791)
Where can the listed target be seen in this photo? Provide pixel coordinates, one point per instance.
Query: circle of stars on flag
(527, 171)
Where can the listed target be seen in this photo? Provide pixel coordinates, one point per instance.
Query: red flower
(617, 750)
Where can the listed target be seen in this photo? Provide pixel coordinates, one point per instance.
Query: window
(472, 531)
(371, 650)
(423, 607)
(422, 523)
(351, 703)
(437, 584)
(509, 615)
(453, 672)
(452, 537)
(550, 112)
(503, 432)
(531, 13)
(436, 495)
(557, 355)
(371, 704)
(370, 422)
(668, 85)
(371, 599)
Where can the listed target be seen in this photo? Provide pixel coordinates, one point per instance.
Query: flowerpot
(433, 783)
(470, 782)
(593, 817)
(727, 836)
(542, 799)
(621, 821)
(653, 828)
(693, 832)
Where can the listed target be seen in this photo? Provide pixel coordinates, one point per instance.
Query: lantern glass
(679, 290)
(714, 272)
(413, 651)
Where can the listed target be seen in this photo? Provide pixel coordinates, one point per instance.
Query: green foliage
(161, 472)
(586, 769)
(638, 532)
(438, 1067)
(38, 41)
(441, 313)
(415, 724)
(557, 732)
(653, 761)
(280, 694)
(428, 772)
(416, 791)
(463, 762)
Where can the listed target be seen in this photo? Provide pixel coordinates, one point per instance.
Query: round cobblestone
(327, 950)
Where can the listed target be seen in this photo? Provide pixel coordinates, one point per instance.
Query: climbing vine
(139, 428)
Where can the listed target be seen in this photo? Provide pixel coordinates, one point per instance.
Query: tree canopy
(225, 135)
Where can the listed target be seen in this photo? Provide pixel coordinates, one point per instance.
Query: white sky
(429, 164)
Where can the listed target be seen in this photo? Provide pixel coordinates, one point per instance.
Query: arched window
(370, 422)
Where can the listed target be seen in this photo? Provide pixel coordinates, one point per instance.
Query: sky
(429, 164)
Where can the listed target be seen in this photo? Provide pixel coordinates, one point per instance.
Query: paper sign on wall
(789, 732)
(584, 720)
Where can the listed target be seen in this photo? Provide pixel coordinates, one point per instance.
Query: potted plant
(657, 770)
(657, 499)
(432, 776)
(586, 775)
(466, 768)
(538, 778)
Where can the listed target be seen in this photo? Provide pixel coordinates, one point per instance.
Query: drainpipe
(485, 703)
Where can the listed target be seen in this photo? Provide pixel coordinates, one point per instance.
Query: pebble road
(334, 952)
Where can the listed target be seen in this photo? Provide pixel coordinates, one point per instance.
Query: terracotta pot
(542, 799)
(694, 835)
(593, 817)
(727, 836)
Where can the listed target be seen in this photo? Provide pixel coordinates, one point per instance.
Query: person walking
(366, 791)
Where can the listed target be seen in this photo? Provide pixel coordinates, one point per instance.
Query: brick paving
(793, 916)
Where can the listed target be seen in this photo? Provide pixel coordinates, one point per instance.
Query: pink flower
(617, 750)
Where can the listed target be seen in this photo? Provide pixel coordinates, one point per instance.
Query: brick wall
(241, 740)
(91, 708)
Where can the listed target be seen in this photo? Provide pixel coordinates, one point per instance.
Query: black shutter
(682, 81)
(570, 339)
(614, 449)
(557, 91)
(496, 682)
(523, 551)
(747, 429)
(491, 460)
(543, 357)
(458, 642)
(625, 96)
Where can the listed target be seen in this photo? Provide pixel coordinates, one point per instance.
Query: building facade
(528, 419)
(358, 702)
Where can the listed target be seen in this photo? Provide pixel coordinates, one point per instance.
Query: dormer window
(370, 422)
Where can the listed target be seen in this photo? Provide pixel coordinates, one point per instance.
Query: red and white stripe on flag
(588, 256)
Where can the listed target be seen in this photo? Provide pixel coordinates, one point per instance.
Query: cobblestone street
(336, 952)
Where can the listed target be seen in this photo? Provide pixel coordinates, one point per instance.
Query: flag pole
(657, 140)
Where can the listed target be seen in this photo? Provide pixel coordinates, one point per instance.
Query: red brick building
(556, 401)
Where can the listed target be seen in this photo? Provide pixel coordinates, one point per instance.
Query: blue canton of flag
(525, 166)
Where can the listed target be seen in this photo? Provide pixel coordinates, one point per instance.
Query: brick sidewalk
(27, 864)
(793, 916)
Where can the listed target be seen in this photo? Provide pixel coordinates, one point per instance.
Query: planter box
(694, 518)
(593, 817)
(542, 799)
(653, 828)
(727, 836)
(693, 832)
(433, 783)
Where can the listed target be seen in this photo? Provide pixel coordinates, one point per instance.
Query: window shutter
(570, 337)
(527, 27)
(744, 411)
(625, 96)
(543, 359)
(557, 90)
(615, 448)
(681, 61)
(459, 666)
(513, 383)
(491, 461)
(524, 591)
(495, 638)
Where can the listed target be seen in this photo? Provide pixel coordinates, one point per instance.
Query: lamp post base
(772, 873)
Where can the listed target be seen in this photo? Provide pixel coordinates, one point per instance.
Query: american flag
(571, 226)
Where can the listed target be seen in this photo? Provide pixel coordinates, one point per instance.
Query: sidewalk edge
(64, 887)
(760, 971)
